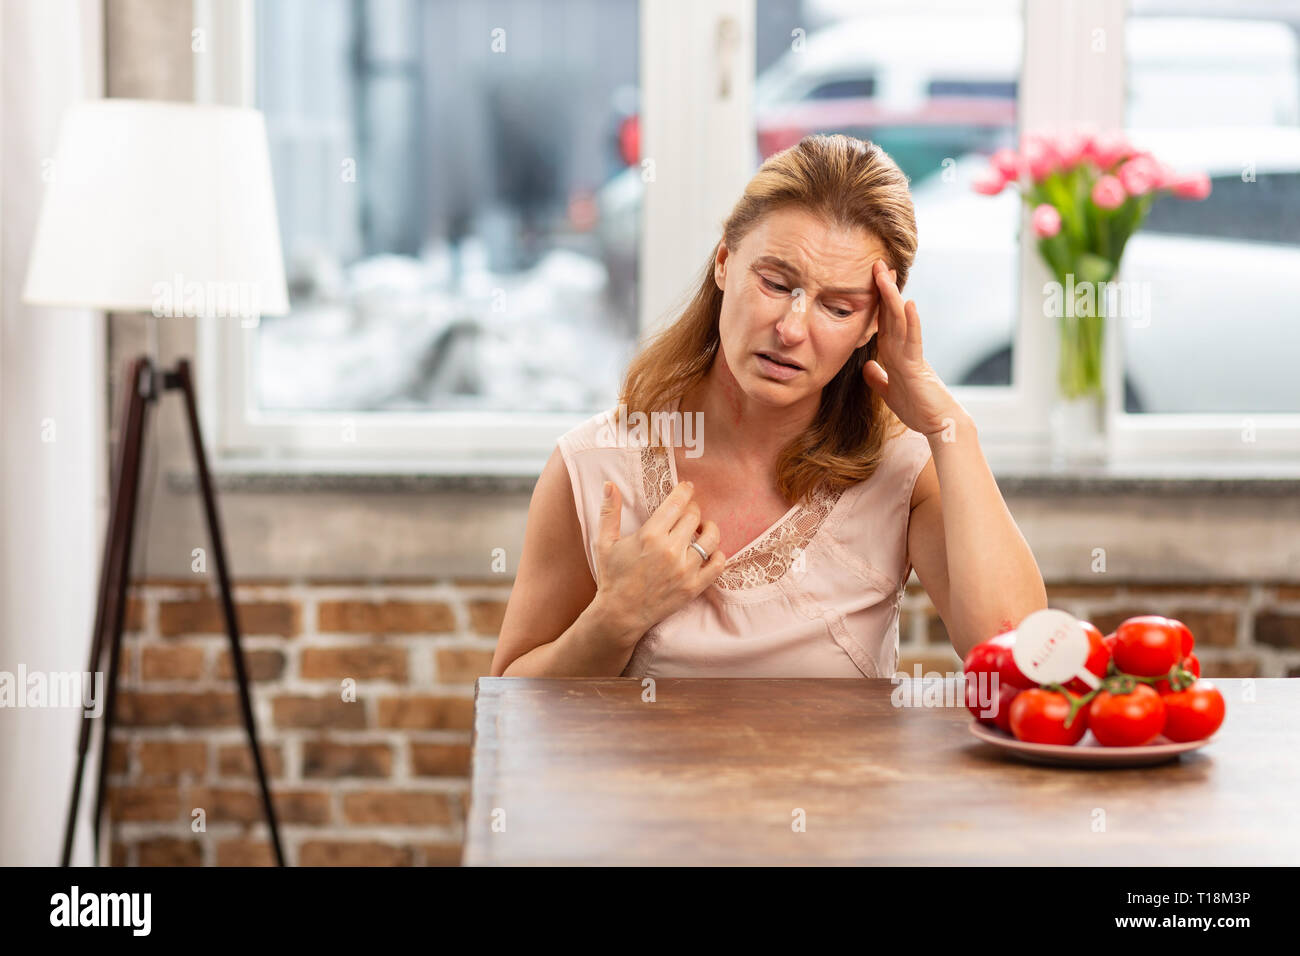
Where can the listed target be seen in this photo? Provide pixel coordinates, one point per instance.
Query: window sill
(1211, 479)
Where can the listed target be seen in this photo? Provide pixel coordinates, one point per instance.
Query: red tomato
(1127, 720)
(1190, 662)
(1195, 713)
(1098, 658)
(1147, 646)
(1011, 674)
(1185, 633)
(1000, 707)
(1039, 716)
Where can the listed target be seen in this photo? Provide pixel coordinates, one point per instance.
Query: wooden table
(583, 771)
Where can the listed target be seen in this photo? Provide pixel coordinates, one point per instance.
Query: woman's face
(798, 299)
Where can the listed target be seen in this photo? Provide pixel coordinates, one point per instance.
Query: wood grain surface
(586, 771)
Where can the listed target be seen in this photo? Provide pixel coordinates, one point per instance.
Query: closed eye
(777, 287)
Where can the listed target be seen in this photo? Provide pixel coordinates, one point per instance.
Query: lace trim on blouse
(768, 558)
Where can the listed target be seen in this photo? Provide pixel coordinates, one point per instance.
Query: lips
(777, 358)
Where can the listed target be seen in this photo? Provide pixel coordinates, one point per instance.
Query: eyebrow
(789, 268)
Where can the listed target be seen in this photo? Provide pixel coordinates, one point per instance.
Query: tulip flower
(1071, 148)
(1108, 193)
(1046, 221)
(989, 183)
(1007, 163)
(1140, 175)
(1193, 186)
(1109, 148)
(1039, 157)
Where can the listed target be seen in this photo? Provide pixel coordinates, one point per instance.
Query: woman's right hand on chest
(646, 576)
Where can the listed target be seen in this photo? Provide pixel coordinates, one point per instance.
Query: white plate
(1087, 752)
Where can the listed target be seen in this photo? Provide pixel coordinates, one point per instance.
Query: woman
(781, 545)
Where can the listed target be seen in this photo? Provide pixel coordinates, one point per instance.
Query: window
(475, 238)
(1217, 93)
(441, 172)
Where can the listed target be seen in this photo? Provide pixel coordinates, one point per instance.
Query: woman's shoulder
(598, 431)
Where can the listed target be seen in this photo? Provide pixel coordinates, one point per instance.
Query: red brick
(170, 758)
(442, 854)
(359, 662)
(1238, 665)
(1209, 628)
(331, 713)
(242, 852)
(1288, 592)
(485, 616)
(236, 760)
(180, 662)
(387, 617)
(353, 853)
(398, 807)
(462, 665)
(117, 854)
(426, 713)
(205, 616)
(144, 804)
(1277, 629)
(118, 761)
(134, 618)
(225, 804)
(440, 760)
(261, 664)
(327, 758)
(302, 806)
(170, 851)
(199, 709)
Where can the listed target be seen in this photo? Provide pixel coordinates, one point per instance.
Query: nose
(793, 326)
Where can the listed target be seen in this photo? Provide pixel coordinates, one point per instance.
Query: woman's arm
(553, 627)
(992, 581)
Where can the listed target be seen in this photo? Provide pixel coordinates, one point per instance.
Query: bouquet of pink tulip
(1089, 193)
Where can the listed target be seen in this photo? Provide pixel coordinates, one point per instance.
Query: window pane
(456, 203)
(1219, 93)
(938, 93)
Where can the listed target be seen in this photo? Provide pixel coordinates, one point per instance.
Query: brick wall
(379, 780)
(384, 779)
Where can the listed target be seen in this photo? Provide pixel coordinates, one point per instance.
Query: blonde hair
(850, 183)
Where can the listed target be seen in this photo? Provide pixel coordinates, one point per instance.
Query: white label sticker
(1051, 647)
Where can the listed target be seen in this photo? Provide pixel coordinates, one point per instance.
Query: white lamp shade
(161, 207)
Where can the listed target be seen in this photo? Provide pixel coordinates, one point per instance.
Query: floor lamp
(167, 209)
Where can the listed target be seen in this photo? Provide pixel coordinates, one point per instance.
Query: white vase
(1078, 431)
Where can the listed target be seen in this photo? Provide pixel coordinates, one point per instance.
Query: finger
(666, 515)
(684, 530)
(913, 325)
(709, 537)
(710, 570)
(876, 377)
(611, 511)
(893, 322)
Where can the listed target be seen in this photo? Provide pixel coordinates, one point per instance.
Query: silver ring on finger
(704, 555)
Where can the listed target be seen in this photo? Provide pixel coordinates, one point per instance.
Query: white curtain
(52, 434)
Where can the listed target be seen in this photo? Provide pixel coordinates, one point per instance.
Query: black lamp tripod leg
(110, 571)
(182, 380)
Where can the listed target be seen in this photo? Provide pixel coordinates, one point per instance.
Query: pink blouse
(817, 594)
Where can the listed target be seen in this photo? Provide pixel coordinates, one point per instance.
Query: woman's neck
(738, 427)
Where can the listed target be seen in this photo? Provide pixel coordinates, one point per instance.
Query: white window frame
(1062, 81)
